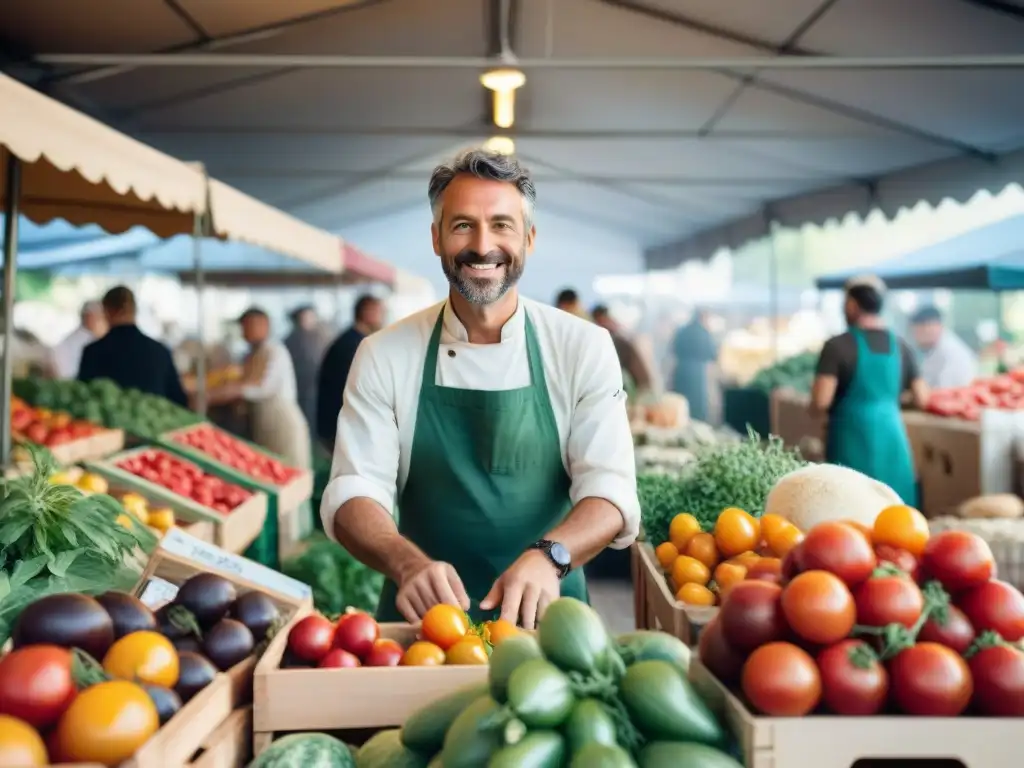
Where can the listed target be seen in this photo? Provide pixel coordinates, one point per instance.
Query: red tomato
(310, 639)
(840, 549)
(930, 679)
(956, 632)
(751, 615)
(888, 600)
(385, 653)
(998, 674)
(958, 559)
(781, 680)
(997, 606)
(901, 558)
(721, 659)
(791, 564)
(336, 657)
(766, 569)
(819, 607)
(36, 684)
(356, 633)
(853, 680)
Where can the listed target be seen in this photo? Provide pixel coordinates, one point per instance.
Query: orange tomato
(695, 594)
(766, 569)
(736, 531)
(703, 548)
(901, 526)
(689, 570)
(860, 527)
(466, 651)
(683, 528)
(496, 632)
(746, 559)
(143, 657)
(666, 554)
(422, 654)
(771, 523)
(727, 574)
(105, 724)
(444, 625)
(784, 539)
(20, 744)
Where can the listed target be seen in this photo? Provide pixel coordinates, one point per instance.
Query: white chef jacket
(67, 355)
(950, 363)
(278, 377)
(584, 379)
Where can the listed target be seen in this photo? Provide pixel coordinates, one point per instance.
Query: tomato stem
(987, 639)
(85, 670)
(888, 569)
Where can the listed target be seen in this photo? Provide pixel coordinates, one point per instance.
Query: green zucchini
(670, 754)
(663, 705)
(469, 745)
(385, 750)
(300, 750)
(573, 636)
(589, 723)
(540, 694)
(506, 657)
(424, 730)
(645, 645)
(603, 756)
(538, 749)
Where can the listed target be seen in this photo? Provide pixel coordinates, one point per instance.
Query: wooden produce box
(661, 610)
(233, 532)
(345, 699)
(792, 420)
(824, 741)
(204, 530)
(104, 443)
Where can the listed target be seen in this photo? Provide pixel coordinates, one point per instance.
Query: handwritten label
(157, 593)
(179, 543)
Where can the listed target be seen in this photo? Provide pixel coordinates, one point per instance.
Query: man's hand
(525, 590)
(425, 585)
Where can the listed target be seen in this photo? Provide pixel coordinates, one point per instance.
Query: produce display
(1004, 393)
(869, 620)
(701, 566)
(237, 454)
(92, 679)
(41, 426)
(796, 373)
(184, 479)
(104, 402)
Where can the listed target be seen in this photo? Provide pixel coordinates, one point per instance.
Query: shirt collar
(454, 328)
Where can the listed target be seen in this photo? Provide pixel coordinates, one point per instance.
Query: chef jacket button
(451, 353)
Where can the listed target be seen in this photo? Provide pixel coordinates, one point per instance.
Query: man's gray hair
(483, 164)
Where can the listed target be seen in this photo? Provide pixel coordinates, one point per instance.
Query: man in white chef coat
(67, 355)
(495, 424)
(946, 360)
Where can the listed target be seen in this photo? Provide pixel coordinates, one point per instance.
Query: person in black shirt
(861, 377)
(369, 318)
(129, 357)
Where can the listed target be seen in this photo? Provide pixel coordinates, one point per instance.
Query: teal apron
(866, 430)
(486, 479)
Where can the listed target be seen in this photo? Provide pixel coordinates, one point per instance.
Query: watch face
(560, 554)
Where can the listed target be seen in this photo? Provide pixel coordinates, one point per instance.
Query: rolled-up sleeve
(366, 449)
(600, 444)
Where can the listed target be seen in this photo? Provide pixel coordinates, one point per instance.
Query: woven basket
(1005, 537)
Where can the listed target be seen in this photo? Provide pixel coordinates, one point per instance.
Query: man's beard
(482, 290)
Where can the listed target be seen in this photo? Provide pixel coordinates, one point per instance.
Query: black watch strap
(557, 554)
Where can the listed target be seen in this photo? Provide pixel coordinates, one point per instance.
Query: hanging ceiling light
(503, 145)
(504, 81)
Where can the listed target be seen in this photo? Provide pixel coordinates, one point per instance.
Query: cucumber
(589, 723)
(540, 694)
(603, 756)
(663, 705)
(424, 730)
(297, 750)
(670, 754)
(539, 749)
(467, 744)
(385, 750)
(506, 657)
(573, 636)
(646, 645)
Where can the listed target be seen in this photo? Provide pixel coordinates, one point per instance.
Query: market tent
(987, 258)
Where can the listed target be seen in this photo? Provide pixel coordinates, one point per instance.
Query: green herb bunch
(726, 475)
(338, 580)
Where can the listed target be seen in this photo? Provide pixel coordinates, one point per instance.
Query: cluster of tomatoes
(862, 621)
(701, 566)
(45, 427)
(185, 479)
(237, 454)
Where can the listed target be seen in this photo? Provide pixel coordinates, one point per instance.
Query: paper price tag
(157, 593)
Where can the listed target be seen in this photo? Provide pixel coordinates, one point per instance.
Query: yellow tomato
(124, 520)
(162, 519)
(422, 654)
(496, 632)
(736, 531)
(746, 559)
(901, 526)
(145, 657)
(466, 651)
(105, 724)
(93, 483)
(689, 570)
(771, 523)
(683, 528)
(21, 746)
(784, 539)
(666, 553)
(695, 594)
(727, 574)
(444, 625)
(703, 548)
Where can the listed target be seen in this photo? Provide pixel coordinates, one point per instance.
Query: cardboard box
(661, 610)
(791, 420)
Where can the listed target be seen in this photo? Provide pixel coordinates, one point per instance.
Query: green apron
(486, 479)
(866, 430)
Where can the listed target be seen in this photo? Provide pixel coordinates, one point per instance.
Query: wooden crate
(234, 531)
(636, 574)
(823, 741)
(230, 745)
(662, 611)
(344, 699)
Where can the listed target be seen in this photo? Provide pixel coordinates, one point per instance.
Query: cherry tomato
(702, 547)
(423, 654)
(997, 606)
(696, 594)
(689, 570)
(772, 524)
(721, 659)
(144, 657)
(666, 552)
(766, 569)
(819, 607)
(727, 574)
(339, 657)
(751, 615)
(902, 559)
(853, 680)
(901, 526)
(466, 651)
(956, 632)
(998, 674)
(444, 625)
(36, 684)
(930, 679)
(385, 653)
(782, 540)
(310, 639)
(888, 600)
(682, 528)
(498, 631)
(781, 680)
(21, 746)
(736, 532)
(958, 559)
(356, 633)
(839, 549)
(106, 724)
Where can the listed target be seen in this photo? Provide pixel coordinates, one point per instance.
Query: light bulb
(504, 108)
(503, 79)
(503, 145)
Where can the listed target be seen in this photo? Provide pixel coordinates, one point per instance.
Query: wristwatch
(557, 554)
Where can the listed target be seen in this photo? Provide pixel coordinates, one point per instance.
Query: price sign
(157, 593)
(179, 543)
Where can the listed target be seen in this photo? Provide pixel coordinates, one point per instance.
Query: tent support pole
(197, 260)
(773, 289)
(11, 212)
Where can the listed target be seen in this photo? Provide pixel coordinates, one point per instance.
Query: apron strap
(429, 381)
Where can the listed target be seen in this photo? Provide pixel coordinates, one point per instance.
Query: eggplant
(228, 642)
(195, 672)
(257, 612)
(166, 701)
(168, 628)
(128, 613)
(208, 597)
(188, 643)
(68, 620)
